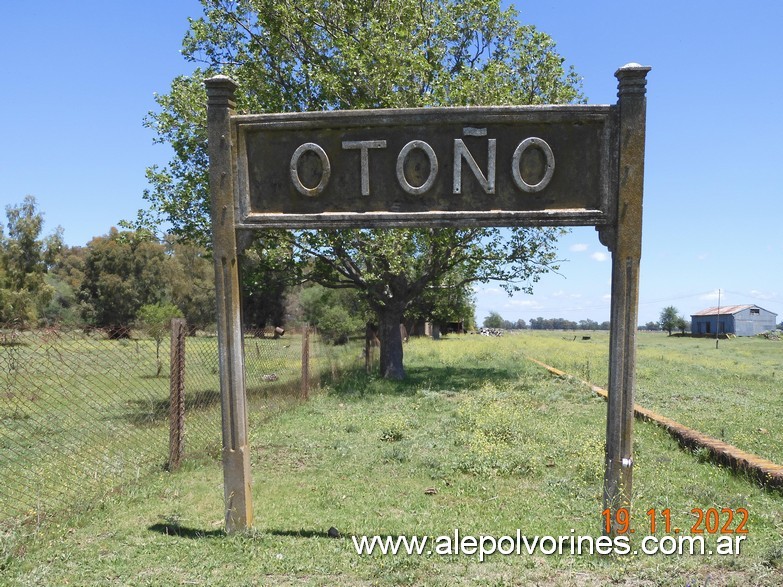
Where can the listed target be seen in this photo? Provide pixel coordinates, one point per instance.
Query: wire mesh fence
(83, 413)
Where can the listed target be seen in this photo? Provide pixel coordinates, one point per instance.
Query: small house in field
(747, 320)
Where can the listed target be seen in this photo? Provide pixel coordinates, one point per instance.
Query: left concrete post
(236, 453)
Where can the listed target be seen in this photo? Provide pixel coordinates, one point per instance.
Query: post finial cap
(631, 79)
(220, 81)
(632, 70)
(221, 91)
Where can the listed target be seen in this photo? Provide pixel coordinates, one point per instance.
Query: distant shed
(747, 320)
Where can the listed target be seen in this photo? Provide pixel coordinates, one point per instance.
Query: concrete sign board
(444, 166)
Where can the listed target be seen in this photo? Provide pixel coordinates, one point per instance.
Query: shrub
(155, 320)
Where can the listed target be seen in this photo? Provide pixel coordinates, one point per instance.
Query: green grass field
(80, 415)
(731, 393)
(477, 439)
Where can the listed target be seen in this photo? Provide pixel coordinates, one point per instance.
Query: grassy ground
(477, 439)
(731, 393)
(80, 414)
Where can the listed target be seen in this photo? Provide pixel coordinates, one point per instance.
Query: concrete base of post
(236, 480)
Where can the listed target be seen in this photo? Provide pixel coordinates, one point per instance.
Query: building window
(755, 311)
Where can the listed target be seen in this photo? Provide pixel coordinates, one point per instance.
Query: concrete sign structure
(564, 165)
(426, 166)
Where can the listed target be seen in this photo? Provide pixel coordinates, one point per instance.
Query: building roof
(724, 310)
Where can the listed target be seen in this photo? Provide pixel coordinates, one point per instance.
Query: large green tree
(190, 279)
(25, 258)
(291, 55)
(669, 319)
(494, 320)
(123, 271)
(266, 275)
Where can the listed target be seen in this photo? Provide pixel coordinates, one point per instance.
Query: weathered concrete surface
(236, 453)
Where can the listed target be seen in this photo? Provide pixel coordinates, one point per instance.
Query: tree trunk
(389, 319)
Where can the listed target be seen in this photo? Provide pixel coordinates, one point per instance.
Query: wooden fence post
(370, 342)
(177, 394)
(305, 385)
(367, 352)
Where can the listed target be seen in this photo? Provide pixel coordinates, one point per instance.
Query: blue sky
(79, 78)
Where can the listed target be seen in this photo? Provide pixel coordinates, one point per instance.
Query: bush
(336, 313)
(155, 320)
(337, 324)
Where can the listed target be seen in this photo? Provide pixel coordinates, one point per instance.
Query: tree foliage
(451, 300)
(320, 55)
(123, 271)
(155, 321)
(336, 313)
(682, 324)
(669, 319)
(25, 259)
(190, 278)
(494, 320)
(266, 273)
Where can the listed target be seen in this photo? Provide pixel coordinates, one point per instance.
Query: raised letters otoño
(461, 153)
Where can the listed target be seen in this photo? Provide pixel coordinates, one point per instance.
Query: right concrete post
(625, 243)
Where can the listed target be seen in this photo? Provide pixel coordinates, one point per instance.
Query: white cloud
(564, 294)
(711, 296)
(578, 248)
(599, 256)
(525, 304)
(763, 295)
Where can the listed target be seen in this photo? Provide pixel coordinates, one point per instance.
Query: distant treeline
(545, 324)
(563, 324)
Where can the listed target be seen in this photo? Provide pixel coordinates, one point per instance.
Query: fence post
(177, 394)
(306, 362)
(370, 338)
